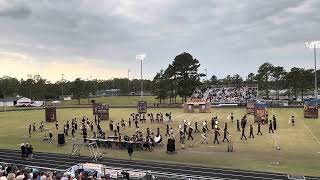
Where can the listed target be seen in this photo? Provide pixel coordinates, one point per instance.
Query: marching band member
(251, 131)
(216, 134)
(231, 117)
(259, 129)
(196, 126)
(204, 136)
(182, 134)
(225, 133)
(270, 127)
(190, 130)
(293, 120)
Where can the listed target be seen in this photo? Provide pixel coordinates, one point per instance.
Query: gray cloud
(220, 33)
(14, 9)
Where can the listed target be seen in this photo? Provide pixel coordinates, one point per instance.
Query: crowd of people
(227, 94)
(12, 172)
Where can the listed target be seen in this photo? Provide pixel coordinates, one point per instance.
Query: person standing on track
(23, 151)
(130, 150)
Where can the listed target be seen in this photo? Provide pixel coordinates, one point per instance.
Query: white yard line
(314, 137)
(275, 139)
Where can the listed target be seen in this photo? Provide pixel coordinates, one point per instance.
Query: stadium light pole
(314, 45)
(206, 75)
(141, 57)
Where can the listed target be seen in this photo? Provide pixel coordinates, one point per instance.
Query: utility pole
(62, 86)
(141, 58)
(128, 82)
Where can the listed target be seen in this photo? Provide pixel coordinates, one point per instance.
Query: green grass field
(112, 100)
(115, 100)
(299, 154)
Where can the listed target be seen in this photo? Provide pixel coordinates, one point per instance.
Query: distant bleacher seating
(226, 94)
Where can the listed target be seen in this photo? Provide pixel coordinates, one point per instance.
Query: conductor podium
(311, 109)
(101, 110)
(51, 113)
(204, 107)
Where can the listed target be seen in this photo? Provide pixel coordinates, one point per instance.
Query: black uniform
(225, 133)
(118, 128)
(212, 123)
(238, 125)
(167, 133)
(23, 151)
(216, 134)
(34, 126)
(68, 126)
(243, 134)
(274, 123)
(251, 132)
(91, 126)
(196, 126)
(190, 133)
(259, 129)
(232, 117)
(185, 128)
(292, 120)
(129, 122)
(270, 127)
(136, 122)
(72, 132)
(111, 126)
(50, 137)
(30, 130)
(57, 125)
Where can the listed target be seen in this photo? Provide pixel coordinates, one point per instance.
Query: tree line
(179, 79)
(39, 88)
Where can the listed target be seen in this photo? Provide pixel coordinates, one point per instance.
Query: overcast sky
(100, 38)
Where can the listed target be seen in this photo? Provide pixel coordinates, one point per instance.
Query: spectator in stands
(230, 94)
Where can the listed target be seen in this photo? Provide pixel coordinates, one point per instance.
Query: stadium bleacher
(226, 94)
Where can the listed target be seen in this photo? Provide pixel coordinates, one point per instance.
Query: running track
(61, 162)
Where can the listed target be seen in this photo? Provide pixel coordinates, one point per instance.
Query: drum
(158, 139)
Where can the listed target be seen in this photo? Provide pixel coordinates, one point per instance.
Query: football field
(299, 145)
